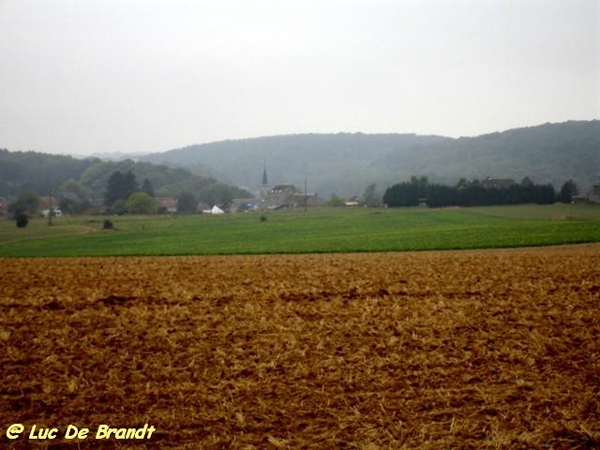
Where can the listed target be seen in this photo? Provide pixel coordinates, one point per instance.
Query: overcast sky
(88, 76)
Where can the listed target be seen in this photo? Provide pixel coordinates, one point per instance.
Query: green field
(324, 230)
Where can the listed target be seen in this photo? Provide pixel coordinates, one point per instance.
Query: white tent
(215, 210)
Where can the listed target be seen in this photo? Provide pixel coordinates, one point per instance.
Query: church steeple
(264, 189)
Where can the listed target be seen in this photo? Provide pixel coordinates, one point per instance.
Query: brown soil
(479, 350)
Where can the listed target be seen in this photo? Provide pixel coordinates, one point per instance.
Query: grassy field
(315, 231)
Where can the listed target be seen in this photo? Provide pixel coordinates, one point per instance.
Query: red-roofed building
(49, 202)
(169, 203)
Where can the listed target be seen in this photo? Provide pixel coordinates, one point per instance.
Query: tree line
(86, 179)
(125, 195)
(419, 191)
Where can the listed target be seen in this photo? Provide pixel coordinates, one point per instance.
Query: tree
(217, 194)
(186, 203)
(568, 190)
(130, 184)
(26, 205)
(526, 182)
(334, 200)
(75, 187)
(420, 182)
(73, 197)
(402, 194)
(148, 188)
(141, 203)
(370, 197)
(120, 187)
(113, 188)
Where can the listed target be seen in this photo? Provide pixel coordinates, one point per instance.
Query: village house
(49, 202)
(54, 212)
(202, 206)
(286, 196)
(593, 194)
(169, 203)
(354, 201)
(282, 196)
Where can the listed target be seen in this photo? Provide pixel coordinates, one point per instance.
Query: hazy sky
(86, 76)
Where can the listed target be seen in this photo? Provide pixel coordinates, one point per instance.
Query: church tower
(264, 189)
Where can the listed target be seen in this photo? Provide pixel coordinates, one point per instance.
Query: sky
(84, 77)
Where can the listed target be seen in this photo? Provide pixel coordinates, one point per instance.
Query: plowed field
(478, 349)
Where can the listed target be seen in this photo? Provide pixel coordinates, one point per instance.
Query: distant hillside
(331, 163)
(37, 172)
(345, 164)
(22, 172)
(550, 153)
(342, 164)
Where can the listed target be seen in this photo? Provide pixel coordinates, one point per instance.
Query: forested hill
(37, 172)
(345, 163)
(22, 172)
(332, 163)
(550, 153)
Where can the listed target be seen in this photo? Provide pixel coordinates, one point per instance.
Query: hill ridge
(345, 163)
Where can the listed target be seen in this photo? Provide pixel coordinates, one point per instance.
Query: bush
(22, 220)
(23, 207)
(108, 225)
(141, 203)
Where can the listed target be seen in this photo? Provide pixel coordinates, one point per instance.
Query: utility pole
(305, 197)
(50, 206)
